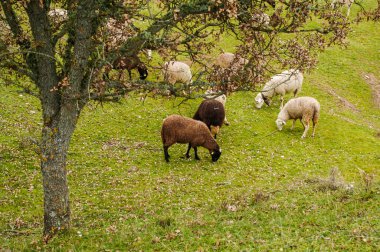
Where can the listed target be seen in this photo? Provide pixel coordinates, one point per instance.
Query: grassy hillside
(269, 190)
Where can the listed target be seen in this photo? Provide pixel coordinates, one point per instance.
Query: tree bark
(61, 105)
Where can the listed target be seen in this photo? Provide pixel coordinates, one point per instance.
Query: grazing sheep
(212, 113)
(128, 63)
(303, 108)
(179, 129)
(175, 71)
(227, 60)
(221, 98)
(280, 84)
(348, 3)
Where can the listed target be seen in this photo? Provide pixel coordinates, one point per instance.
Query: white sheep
(348, 3)
(177, 72)
(220, 98)
(303, 108)
(280, 84)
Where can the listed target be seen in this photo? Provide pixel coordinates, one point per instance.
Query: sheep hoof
(197, 158)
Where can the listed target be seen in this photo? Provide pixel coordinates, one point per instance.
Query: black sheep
(212, 113)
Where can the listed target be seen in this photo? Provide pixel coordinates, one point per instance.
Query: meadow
(269, 190)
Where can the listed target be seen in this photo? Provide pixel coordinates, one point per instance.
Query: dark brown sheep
(212, 113)
(179, 129)
(128, 63)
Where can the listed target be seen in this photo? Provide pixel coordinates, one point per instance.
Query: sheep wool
(303, 108)
(212, 113)
(129, 63)
(175, 71)
(220, 98)
(179, 129)
(289, 81)
(227, 60)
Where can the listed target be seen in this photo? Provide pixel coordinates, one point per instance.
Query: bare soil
(375, 86)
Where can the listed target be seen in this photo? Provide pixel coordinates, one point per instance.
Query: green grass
(267, 191)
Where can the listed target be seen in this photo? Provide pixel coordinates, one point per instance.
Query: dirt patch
(343, 101)
(375, 86)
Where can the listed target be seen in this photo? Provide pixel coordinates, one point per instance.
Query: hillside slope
(269, 190)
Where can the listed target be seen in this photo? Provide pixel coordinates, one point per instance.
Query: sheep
(175, 71)
(227, 60)
(228, 71)
(348, 3)
(179, 129)
(303, 108)
(280, 84)
(212, 113)
(221, 98)
(128, 63)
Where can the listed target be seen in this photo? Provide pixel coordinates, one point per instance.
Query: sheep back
(175, 71)
(179, 129)
(226, 60)
(211, 112)
(299, 108)
(285, 82)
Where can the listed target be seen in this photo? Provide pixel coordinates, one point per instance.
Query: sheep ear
(220, 150)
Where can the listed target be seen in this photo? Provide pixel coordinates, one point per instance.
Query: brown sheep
(212, 113)
(179, 129)
(128, 63)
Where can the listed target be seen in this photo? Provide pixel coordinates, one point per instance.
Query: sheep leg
(196, 153)
(306, 125)
(315, 121)
(294, 123)
(130, 74)
(295, 92)
(282, 102)
(188, 151)
(226, 122)
(314, 126)
(166, 153)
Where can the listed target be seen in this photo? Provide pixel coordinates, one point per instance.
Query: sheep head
(143, 71)
(267, 100)
(215, 154)
(280, 123)
(259, 100)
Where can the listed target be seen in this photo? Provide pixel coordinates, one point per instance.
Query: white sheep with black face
(303, 108)
(289, 81)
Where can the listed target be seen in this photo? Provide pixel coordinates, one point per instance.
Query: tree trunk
(55, 143)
